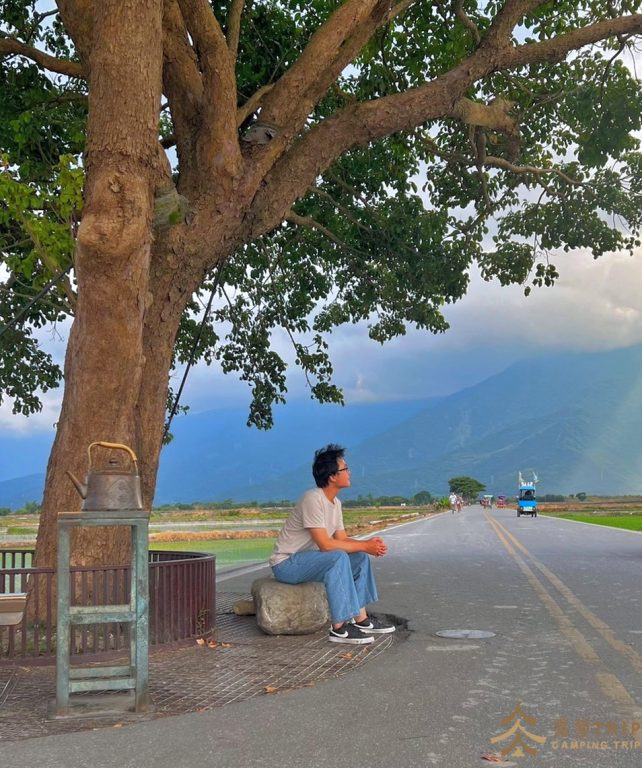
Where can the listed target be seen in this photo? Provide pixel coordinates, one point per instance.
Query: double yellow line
(610, 684)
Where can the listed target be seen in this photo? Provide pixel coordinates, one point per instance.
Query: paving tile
(238, 663)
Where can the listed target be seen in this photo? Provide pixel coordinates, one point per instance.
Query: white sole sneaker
(375, 629)
(349, 635)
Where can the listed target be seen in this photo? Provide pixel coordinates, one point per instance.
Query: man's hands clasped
(376, 546)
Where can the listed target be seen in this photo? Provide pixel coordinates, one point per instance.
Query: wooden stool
(134, 675)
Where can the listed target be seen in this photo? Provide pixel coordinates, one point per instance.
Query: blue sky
(596, 305)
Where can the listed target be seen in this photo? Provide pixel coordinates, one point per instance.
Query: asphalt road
(562, 603)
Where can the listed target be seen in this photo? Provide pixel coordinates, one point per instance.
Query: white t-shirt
(313, 510)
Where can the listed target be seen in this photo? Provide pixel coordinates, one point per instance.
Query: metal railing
(182, 603)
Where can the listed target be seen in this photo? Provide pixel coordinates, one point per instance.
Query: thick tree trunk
(171, 288)
(112, 262)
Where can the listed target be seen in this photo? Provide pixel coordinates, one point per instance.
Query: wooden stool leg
(62, 625)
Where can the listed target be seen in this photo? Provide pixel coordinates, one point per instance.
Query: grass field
(629, 522)
(241, 548)
(228, 552)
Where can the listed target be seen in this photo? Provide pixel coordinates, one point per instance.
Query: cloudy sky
(596, 305)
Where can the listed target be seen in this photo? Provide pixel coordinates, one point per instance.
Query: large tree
(466, 486)
(271, 151)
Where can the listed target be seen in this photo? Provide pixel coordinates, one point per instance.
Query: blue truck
(527, 501)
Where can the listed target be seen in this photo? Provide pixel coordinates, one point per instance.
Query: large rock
(290, 609)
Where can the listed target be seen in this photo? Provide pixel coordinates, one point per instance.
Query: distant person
(452, 499)
(313, 546)
(460, 503)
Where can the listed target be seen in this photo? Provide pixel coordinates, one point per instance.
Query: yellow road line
(600, 626)
(610, 684)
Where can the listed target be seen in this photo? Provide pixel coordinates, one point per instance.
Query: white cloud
(54, 340)
(595, 305)
(44, 421)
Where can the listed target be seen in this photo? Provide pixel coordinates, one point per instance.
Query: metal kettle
(113, 488)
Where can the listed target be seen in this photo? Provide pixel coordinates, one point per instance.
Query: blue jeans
(348, 579)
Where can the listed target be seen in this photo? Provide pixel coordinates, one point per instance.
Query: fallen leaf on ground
(212, 644)
(226, 645)
(345, 655)
(270, 689)
(200, 641)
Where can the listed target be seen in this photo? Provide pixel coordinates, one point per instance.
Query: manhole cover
(465, 633)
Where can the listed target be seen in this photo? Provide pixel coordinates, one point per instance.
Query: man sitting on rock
(313, 546)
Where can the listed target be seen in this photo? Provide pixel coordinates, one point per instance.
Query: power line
(36, 298)
(192, 354)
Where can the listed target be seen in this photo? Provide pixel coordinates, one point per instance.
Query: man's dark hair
(326, 463)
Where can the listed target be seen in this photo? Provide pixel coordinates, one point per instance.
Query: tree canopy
(395, 193)
(465, 486)
(313, 164)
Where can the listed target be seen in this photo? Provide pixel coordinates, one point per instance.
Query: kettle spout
(80, 487)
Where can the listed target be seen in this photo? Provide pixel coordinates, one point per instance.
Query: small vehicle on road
(527, 501)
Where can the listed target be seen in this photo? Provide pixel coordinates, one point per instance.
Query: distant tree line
(467, 487)
(419, 499)
(29, 508)
(226, 504)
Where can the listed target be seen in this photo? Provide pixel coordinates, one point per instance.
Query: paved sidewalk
(240, 662)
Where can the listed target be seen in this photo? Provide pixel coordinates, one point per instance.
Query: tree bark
(112, 262)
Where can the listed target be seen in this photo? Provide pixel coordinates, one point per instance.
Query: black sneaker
(349, 634)
(372, 626)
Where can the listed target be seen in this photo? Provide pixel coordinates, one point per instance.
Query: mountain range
(574, 419)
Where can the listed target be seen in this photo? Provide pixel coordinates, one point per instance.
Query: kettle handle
(118, 446)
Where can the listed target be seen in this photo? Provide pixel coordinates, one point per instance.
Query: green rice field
(228, 552)
(629, 522)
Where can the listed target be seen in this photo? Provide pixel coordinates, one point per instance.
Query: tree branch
(557, 48)
(360, 123)
(500, 162)
(234, 27)
(316, 57)
(458, 9)
(252, 104)
(38, 18)
(330, 49)
(217, 145)
(182, 81)
(309, 223)
(78, 17)
(10, 47)
(505, 21)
